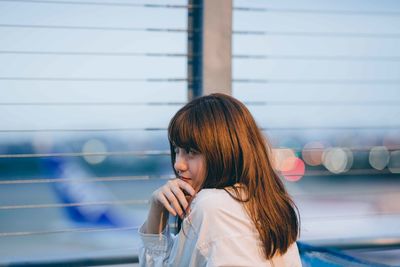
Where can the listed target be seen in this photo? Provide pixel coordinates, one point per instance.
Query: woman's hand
(173, 196)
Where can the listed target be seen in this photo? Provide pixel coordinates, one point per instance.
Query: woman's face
(190, 166)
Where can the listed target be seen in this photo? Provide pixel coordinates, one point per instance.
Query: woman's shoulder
(221, 223)
(211, 198)
(218, 207)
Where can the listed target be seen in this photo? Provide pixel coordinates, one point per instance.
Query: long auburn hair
(236, 152)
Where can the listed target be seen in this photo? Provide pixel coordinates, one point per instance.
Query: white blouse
(217, 232)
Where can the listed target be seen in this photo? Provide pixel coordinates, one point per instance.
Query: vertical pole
(217, 46)
(209, 47)
(195, 46)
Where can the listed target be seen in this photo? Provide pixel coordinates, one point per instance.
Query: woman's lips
(185, 179)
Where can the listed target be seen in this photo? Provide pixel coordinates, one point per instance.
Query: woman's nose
(180, 163)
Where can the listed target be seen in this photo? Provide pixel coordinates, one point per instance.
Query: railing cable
(85, 179)
(317, 11)
(82, 154)
(92, 103)
(308, 173)
(317, 57)
(94, 79)
(319, 34)
(83, 130)
(107, 54)
(107, 4)
(313, 81)
(94, 28)
(303, 128)
(72, 230)
(162, 152)
(258, 103)
(77, 204)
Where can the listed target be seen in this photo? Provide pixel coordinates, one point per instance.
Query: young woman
(233, 207)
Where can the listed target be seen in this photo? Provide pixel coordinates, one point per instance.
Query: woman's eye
(192, 152)
(186, 151)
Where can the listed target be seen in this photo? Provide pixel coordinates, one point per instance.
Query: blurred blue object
(324, 257)
(73, 193)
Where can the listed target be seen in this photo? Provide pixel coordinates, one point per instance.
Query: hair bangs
(182, 129)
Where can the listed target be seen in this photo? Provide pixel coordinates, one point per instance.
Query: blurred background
(87, 89)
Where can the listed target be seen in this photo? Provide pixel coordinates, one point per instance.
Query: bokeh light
(394, 163)
(94, 146)
(379, 157)
(280, 156)
(285, 161)
(296, 172)
(337, 159)
(312, 153)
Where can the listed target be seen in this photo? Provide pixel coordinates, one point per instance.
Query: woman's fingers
(173, 196)
(180, 196)
(186, 187)
(173, 201)
(164, 201)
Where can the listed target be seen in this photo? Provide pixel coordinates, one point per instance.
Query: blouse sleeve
(155, 249)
